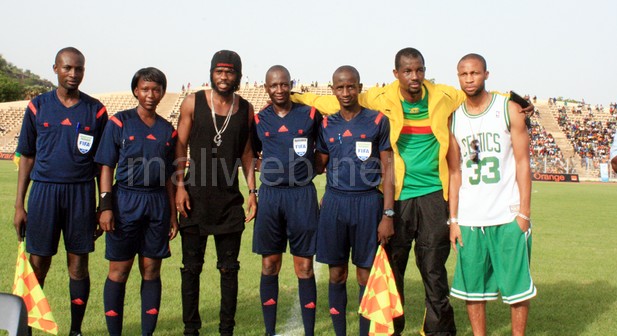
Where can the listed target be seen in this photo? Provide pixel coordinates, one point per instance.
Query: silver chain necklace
(218, 137)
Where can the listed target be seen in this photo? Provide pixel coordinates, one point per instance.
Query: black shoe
(75, 333)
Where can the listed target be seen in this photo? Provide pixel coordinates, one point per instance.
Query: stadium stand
(12, 113)
(565, 137)
(589, 133)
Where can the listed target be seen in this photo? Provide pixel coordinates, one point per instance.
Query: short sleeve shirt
(287, 144)
(144, 154)
(353, 148)
(62, 139)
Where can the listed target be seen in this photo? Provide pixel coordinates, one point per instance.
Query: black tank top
(212, 179)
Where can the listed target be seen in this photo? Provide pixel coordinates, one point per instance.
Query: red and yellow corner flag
(27, 286)
(381, 302)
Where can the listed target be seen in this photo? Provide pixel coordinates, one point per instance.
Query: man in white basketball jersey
(490, 192)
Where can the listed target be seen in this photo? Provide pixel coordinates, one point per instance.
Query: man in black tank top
(215, 125)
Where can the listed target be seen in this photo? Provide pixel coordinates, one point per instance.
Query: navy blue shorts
(349, 220)
(286, 213)
(142, 223)
(69, 208)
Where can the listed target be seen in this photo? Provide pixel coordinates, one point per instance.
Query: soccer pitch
(573, 265)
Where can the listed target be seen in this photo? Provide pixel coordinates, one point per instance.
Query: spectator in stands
(215, 123)
(545, 155)
(60, 134)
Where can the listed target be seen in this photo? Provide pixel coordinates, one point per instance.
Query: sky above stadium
(544, 48)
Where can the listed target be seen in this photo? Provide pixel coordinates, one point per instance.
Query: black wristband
(254, 191)
(105, 201)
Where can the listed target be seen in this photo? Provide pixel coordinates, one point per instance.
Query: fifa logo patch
(300, 146)
(84, 142)
(363, 150)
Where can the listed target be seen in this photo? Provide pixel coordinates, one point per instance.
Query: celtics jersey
(489, 193)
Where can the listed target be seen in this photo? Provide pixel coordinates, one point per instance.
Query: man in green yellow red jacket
(418, 111)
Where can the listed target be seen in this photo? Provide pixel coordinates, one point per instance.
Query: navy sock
(307, 291)
(79, 291)
(150, 304)
(269, 294)
(337, 298)
(113, 300)
(364, 323)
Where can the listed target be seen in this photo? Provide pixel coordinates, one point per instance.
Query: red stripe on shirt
(32, 108)
(102, 111)
(116, 121)
(174, 134)
(256, 119)
(325, 122)
(313, 112)
(416, 130)
(378, 118)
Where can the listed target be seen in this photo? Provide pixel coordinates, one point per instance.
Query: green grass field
(574, 265)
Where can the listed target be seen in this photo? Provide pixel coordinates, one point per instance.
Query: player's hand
(19, 220)
(183, 203)
(98, 232)
(455, 235)
(251, 208)
(385, 230)
(523, 224)
(173, 229)
(106, 220)
(529, 110)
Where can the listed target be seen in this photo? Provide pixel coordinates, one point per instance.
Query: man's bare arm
(185, 123)
(26, 163)
(385, 230)
(520, 147)
(454, 167)
(248, 167)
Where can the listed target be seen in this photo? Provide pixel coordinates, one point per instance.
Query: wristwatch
(389, 213)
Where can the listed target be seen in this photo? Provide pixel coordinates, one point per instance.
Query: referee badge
(363, 149)
(300, 146)
(84, 142)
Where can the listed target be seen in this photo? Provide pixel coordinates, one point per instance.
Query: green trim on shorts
(485, 268)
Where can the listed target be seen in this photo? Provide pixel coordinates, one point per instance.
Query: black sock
(337, 298)
(150, 304)
(365, 324)
(307, 291)
(113, 301)
(269, 294)
(79, 291)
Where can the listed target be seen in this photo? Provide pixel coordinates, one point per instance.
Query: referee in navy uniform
(138, 213)
(355, 145)
(285, 134)
(60, 134)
